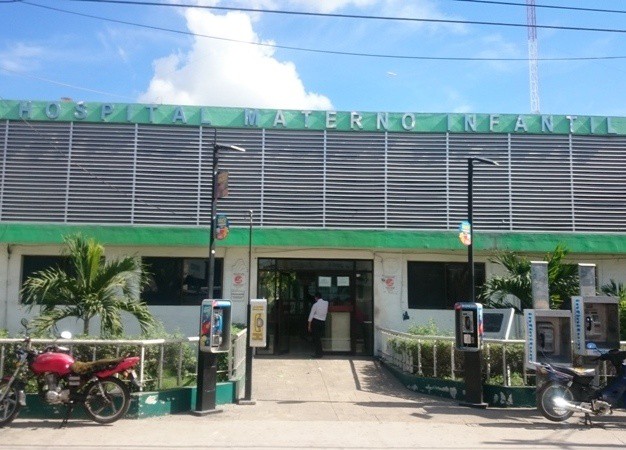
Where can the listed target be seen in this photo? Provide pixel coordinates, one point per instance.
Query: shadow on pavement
(45, 423)
(524, 443)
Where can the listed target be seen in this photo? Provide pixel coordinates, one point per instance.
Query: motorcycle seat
(84, 368)
(577, 371)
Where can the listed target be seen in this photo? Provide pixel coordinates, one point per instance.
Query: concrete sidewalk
(334, 402)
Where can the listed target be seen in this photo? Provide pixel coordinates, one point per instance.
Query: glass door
(289, 286)
(363, 316)
(337, 287)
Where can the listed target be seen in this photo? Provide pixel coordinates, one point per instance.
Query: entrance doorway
(289, 285)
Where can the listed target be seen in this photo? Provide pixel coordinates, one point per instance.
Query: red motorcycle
(63, 381)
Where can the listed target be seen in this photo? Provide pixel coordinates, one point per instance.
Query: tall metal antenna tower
(532, 56)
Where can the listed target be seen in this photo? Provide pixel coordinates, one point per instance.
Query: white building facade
(362, 207)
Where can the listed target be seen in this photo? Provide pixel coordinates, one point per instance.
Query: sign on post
(258, 323)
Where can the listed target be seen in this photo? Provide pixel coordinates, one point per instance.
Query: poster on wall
(389, 283)
(324, 281)
(238, 287)
(343, 281)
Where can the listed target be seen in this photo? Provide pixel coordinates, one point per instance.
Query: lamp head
(229, 147)
(484, 160)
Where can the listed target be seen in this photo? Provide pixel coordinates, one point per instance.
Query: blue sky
(47, 54)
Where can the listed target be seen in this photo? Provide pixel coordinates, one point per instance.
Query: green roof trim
(406, 240)
(282, 119)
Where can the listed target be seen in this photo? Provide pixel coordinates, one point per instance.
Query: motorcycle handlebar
(614, 354)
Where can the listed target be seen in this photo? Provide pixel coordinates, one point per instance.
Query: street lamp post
(207, 362)
(473, 360)
(247, 400)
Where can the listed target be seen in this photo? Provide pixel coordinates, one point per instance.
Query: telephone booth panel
(548, 337)
(595, 321)
(215, 325)
(468, 326)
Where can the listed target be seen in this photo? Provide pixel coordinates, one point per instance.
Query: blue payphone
(469, 326)
(215, 325)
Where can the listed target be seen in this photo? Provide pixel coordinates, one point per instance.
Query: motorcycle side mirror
(24, 322)
(66, 335)
(592, 346)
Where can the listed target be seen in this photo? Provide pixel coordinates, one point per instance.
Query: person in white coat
(317, 323)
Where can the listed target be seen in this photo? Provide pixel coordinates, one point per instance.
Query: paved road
(332, 403)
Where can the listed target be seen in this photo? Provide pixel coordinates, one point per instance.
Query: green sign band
(405, 122)
(145, 235)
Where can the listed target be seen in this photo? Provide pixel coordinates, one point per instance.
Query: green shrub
(492, 356)
(431, 329)
(440, 351)
(425, 353)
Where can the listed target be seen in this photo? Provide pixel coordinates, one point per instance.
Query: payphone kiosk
(595, 321)
(499, 323)
(548, 337)
(469, 326)
(215, 325)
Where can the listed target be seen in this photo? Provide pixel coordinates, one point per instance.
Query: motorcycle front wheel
(10, 406)
(106, 400)
(546, 402)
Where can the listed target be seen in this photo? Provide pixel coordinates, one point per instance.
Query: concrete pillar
(539, 281)
(587, 279)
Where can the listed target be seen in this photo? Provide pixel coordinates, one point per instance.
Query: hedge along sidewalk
(437, 356)
(495, 396)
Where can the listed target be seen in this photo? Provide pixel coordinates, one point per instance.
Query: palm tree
(89, 287)
(616, 289)
(562, 281)
(496, 291)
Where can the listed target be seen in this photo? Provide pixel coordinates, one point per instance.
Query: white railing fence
(179, 356)
(425, 356)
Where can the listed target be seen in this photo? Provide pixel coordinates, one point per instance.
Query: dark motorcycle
(61, 380)
(562, 391)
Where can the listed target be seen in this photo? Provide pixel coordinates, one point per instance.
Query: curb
(495, 396)
(142, 404)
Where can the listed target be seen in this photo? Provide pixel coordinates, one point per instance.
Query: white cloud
(329, 6)
(21, 57)
(457, 101)
(423, 9)
(495, 46)
(321, 6)
(221, 73)
(462, 109)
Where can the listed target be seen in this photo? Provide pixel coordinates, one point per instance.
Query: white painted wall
(390, 283)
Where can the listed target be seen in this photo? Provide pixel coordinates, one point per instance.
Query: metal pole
(470, 217)
(211, 281)
(249, 350)
(207, 362)
(472, 360)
